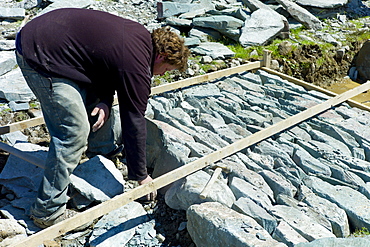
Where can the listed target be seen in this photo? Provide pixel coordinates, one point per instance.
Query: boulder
(206, 220)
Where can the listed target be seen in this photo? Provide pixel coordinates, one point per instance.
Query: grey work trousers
(66, 111)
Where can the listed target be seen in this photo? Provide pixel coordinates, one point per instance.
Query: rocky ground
(301, 63)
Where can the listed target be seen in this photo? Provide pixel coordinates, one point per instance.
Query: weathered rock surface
(306, 184)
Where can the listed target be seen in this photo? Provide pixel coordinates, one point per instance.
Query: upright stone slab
(206, 220)
(337, 216)
(353, 202)
(97, 179)
(262, 26)
(117, 227)
(303, 224)
(248, 207)
(286, 234)
(185, 192)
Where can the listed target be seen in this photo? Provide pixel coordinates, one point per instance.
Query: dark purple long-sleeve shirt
(106, 51)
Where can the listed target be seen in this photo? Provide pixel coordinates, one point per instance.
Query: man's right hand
(102, 111)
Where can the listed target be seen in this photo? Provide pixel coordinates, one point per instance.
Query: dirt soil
(309, 63)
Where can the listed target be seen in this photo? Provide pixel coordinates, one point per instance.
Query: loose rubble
(291, 189)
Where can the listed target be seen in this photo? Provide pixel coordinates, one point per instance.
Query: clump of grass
(361, 232)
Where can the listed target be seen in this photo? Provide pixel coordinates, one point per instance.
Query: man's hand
(152, 195)
(103, 112)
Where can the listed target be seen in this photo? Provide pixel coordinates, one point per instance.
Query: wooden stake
(174, 175)
(207, 188)
(266, 58)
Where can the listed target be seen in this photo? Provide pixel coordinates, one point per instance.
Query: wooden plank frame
(174, 175)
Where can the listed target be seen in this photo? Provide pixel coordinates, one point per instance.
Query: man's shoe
(68, 213)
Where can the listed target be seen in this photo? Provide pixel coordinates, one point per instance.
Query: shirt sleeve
(133, 94)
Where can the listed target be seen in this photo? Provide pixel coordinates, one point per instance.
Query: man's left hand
(151, 196)
(102, 111)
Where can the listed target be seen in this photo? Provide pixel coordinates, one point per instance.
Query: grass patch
(361, 232)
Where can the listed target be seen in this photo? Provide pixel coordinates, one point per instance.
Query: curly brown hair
(172, 46)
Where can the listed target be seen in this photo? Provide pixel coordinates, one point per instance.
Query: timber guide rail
(174, 175)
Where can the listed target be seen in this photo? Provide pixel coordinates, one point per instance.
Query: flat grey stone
(309, 164)
(13, 87)
(118, 226)
(248, 207)
(214, 50)
(278, 184)
(20, 176)
(241, 188)
(262, 26)
(356, 208)
(323, 4)
(205, 220)
(302, 15)
(336, 216)
(7, 61)
(286, 234)
(185, 192)
(12, 13)
(337, 242)
(66, 4)
(7, 45)
(301, 223)
(90, 179)
(218, 22)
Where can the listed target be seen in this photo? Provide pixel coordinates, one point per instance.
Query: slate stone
(336, 216)
(7, 61)
(262, 26)
(12, 13)
(185, 192)
(278, 184)
(356, 208)
(214, 50)
(20, 176)
(330, 4)
(90, 179)
(302, 15)
(275, 151)
(248, 207)
(218, 22)
(337, 242)
(168, 9)
(7, 45)
(205, 220)
(13, 87)
(204, 34)
(241, 188)
(309, 164)
(286, 234)
(251, 117)
(305, 209)
(19, 106)
(237, 169)
(118, 226)
(66, 4)
(208, 138)
(301, 223)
